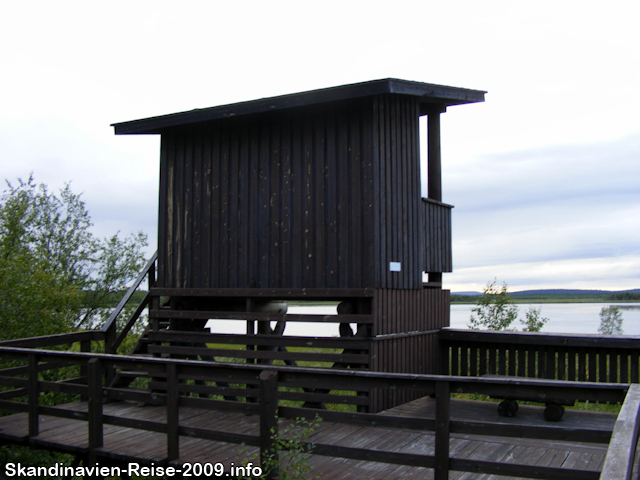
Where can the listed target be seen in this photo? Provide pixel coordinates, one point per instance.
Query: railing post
(173, 438)
(154, 303)
(151, 277)
(443, 358)
(33, 395)
(443, 400)
(109, 340)
(85, 347)
(94, 372)
(269, 422)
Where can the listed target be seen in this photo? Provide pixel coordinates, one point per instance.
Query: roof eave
(439, 94)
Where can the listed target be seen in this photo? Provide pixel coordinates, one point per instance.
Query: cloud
(545, 171)
(561, 206)
(617, 273)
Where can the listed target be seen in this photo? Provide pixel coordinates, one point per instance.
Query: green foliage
(293, 449)
(560, 296)
(610, 321)
(495, 310)
(533, 322)
(54, 273)
(625, 296)
(53, 270)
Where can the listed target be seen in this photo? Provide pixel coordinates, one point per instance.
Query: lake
(563, 318)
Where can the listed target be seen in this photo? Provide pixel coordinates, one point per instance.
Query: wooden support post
(434, 152)
(109, 341)
(154, 322)
(445, 365)
(443, 401)
(251, 327)
(94, 372)
(269, 421)
(173, 425)
(33, 395)
(152, 276)
(435, 167)
(85, 347)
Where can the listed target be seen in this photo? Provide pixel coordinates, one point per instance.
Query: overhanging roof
(427, 92)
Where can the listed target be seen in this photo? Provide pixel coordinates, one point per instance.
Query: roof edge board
(429, 92)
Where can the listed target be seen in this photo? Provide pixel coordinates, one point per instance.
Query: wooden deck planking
(127, 444)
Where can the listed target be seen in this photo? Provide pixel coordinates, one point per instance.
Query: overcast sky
(544, 176)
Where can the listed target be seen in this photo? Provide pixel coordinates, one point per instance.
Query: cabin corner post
(269, 423)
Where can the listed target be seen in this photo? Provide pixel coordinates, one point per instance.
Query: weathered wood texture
(618, 464)
(400, 311)
(397, 331)
(436, 236)
(164, 429)
(322, 197)
(410, 353)
(593, 358)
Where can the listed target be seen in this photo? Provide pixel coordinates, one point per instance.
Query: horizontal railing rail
(593, 358)
(55, 340)
(270, 385)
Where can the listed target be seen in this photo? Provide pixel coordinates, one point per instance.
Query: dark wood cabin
(310, 196)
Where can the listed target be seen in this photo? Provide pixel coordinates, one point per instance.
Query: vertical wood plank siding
(400, 311)
(417, 353)
(406, 326)
(280, 202)
(436, 236)
(303, 199)
(396, 181)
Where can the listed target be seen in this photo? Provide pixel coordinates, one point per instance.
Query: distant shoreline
(470, 300)
(557, 295)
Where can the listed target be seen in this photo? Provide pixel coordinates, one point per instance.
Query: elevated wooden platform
(146, 447)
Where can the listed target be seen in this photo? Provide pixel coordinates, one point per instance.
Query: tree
(494, 310)
(532, 321)
(610, 321)
(54, 273)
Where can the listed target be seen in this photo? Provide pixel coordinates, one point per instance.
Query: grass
(587, 406)
(584, 406)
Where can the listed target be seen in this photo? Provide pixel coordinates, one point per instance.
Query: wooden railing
(113, 338)
(592, 358)
(269, 386)
(619, 462)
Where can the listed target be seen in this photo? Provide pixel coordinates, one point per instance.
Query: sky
(544, 175)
